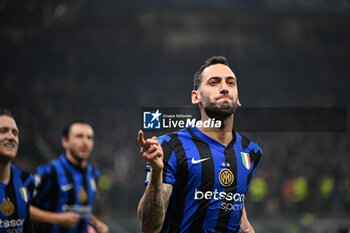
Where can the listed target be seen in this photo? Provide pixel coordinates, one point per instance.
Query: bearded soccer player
(16, 186)
(199, 176)
(66, 188)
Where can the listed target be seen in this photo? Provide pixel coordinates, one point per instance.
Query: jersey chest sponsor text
(216, 195)
(13, 223)
(82, 210)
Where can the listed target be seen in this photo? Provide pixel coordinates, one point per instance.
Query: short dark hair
(6, 112)
(197, 78)
(67, 128)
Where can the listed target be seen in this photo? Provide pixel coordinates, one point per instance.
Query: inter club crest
(7, 208)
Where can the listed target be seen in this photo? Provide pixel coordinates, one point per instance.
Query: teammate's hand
(152, 151)
(100, 227)
(68, 219)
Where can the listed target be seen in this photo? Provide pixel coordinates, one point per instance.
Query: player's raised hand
(152, 151)
(68, 219)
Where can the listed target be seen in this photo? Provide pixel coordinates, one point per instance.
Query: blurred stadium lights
(330, 6)
(60, 10)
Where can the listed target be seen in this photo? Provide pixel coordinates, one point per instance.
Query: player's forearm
(39, 215)
(244, 217)
(65, 219)
(245, 224)
(151, 209)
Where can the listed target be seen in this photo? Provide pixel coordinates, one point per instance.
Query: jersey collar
(67, 163)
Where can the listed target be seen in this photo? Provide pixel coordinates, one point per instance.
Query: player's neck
(5, 172)
(77, 162)
(222, 134)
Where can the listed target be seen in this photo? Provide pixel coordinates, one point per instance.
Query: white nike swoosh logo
(66, 187)
(198, 161)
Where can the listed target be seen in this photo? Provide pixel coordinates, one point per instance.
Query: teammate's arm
(245, 225)
(154, 202)
(66, 219)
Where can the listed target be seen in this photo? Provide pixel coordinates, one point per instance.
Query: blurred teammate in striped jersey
(66, 188)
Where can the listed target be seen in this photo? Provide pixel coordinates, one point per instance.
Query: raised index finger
(141, 139)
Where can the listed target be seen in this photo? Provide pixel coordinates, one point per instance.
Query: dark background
(105, 60)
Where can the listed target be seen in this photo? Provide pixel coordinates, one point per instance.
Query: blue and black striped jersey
(209, 180)
(62, 186)
(15, 198)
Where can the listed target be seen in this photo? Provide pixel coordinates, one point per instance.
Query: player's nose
(224, 90)
(86, 140)
(10, 136)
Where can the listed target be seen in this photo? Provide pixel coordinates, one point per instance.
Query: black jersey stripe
(71, 192)
(256, 158)
(207, 178)
(54, 195)
(11, 192)
(55, 190)
(245, 142)
(70, 180)
(231, 162)
(167, 151)
(82, 223)
(182, 178)
(24, 176)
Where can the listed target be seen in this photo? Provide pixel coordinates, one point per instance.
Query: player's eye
(231, 83)
(213, 82)
(15, 132)
(3, 130)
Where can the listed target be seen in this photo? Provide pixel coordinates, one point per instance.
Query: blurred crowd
(104, 63)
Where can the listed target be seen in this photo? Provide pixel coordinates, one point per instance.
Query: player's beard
(219, 112)
(75, 155)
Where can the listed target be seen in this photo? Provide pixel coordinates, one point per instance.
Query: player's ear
(238, 103)
(196, 97)
(64, 142)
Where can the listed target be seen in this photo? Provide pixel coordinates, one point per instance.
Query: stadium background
(105, 60)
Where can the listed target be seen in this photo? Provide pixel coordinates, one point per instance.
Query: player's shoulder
(25, 176)
(94, 172)
(46, 168)
(169, 138)
(16, 170)
(248, 143)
